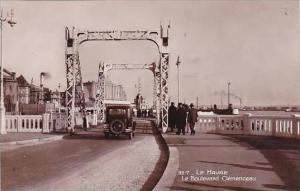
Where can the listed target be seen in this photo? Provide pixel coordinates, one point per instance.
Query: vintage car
(118, 121)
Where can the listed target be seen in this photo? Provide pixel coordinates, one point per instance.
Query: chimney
(41, 79)
(13, 75)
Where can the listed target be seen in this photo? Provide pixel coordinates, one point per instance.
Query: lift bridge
(74, 92)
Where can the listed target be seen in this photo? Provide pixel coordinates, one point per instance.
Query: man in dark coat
(172, 116)
(180, 119)
(192, 118)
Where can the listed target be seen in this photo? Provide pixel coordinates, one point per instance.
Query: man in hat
(172, 116)
(192, 118)
(180, 119)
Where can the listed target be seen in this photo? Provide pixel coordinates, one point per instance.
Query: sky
(254, 45)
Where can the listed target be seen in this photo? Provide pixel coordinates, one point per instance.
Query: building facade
(18, 92)
(112, 92)
(10, 86)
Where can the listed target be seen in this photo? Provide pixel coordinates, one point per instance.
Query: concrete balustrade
(228, 124)
(251, 125)
(208, 123)
(261, 125)
(46, 117)
(28, 123)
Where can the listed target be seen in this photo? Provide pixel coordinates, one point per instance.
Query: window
(117, 111)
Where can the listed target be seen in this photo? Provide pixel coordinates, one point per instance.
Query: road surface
(82, 162)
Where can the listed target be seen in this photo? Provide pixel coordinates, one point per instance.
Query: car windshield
(117, 111)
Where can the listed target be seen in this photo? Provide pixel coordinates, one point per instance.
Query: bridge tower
(74, 91)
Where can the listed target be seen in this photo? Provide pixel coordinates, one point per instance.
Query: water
(260, 113)
(270, 113)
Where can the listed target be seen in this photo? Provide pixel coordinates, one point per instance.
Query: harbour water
(269, 113)
(260, 113)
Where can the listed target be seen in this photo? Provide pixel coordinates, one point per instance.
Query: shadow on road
(211, 186)
(239, 165)
(93, 134)
(95, 137)
(283, 155)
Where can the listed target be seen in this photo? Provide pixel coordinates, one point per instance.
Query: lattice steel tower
(74, 91)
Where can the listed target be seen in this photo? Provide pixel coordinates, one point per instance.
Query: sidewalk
(214, 162)
(15, 140)
(12, 138)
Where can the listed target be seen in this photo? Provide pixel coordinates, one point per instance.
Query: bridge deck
(269, 163)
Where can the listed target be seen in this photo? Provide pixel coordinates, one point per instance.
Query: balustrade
(251, 125)
(27, 123)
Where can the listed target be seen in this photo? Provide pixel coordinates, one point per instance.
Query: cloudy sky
(252, 44)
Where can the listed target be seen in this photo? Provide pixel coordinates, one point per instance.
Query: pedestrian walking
(180, 119)
(85, 123)
(172, 116)
(192, 118)
(186, 109)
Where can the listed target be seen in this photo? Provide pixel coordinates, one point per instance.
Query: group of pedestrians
(180, 116)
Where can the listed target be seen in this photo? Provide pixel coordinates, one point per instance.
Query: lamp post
(41, 97)
(9, 20)
(229, 94)
(177, 64)
(59, 101)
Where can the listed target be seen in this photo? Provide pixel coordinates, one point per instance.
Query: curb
(30, 141)
(162, 162)
(166, 181)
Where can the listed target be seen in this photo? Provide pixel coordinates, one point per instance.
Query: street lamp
(59, 101)
(229, 94)
(11, 22)
(177, 64)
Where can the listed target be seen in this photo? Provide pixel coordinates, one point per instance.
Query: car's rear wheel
(117, 127)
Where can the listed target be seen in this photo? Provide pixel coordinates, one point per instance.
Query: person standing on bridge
(192, 118)
(180, 119)
(172, 116)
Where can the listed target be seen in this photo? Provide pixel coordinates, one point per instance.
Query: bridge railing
(28, 123)
(45, 123)
(248, 124)
(207, 123)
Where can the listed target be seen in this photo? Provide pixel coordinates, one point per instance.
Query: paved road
(70, 161)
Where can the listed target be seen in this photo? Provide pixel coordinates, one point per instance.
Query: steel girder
(100, 92)
(103, 69)
(74, 78)
(164, 68)
(109, 66)
(152, 35)
(69, 90)
(74, 92)
(157, 90)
